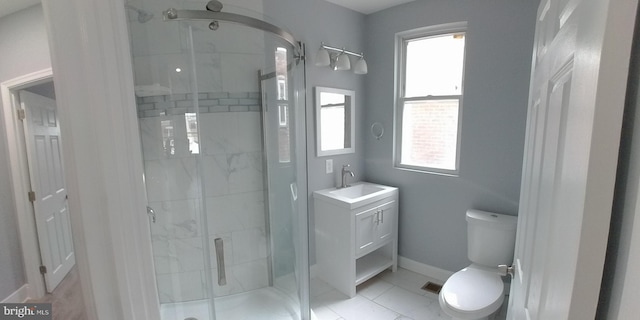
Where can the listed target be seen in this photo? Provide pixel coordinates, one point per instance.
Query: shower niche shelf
(354, 244)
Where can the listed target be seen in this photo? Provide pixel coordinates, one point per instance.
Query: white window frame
(402, 38)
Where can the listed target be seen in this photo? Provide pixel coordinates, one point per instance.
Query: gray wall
(24, 49)
(312, 22)
(498, 60)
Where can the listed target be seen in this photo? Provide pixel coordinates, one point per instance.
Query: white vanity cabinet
(371, 228)
(355, 240)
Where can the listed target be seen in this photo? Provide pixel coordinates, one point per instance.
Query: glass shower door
(284, 141)
(222, 127)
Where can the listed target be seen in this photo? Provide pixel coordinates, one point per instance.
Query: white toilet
(477, 291)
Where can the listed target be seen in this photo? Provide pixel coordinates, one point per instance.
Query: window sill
(452, 174)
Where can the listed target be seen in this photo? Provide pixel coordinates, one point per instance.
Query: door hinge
(21, 114)
(32, 196)
(43, 269)
(505, 270)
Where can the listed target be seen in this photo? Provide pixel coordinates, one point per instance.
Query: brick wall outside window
(432, 129)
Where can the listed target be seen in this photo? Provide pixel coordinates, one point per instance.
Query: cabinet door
(366, 230)
(386, 223)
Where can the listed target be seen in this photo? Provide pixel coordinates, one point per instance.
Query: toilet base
(494, 316)
(479, 301)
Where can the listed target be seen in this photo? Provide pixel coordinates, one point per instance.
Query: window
(333, 121)
(284, 134)
(429, 103)
(191, 121)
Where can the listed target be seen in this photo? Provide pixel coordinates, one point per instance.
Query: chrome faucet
(346, 172)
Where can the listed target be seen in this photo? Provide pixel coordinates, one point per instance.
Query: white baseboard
(19, 296)
(424, 269)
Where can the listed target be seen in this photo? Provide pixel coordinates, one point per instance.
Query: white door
(42, 136)
(578, 82)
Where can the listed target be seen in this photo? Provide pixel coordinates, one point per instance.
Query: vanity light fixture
(338, 59)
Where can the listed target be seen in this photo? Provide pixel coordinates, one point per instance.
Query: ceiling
(8, 7)
(368, 6)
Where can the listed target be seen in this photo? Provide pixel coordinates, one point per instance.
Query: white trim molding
(424, 269)
(19, 296)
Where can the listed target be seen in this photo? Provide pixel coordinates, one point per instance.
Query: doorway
(35, 157)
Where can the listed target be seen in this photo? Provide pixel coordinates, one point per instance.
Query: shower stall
(221, 106)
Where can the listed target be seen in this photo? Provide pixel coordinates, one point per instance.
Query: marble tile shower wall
(232, 187)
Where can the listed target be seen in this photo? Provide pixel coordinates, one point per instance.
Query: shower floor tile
(261, 304)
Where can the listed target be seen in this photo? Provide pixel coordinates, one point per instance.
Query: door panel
(365, 230)
(386, 226)
(42, 132)
(573, 128)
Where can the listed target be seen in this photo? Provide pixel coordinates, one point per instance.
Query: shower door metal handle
(219, 245)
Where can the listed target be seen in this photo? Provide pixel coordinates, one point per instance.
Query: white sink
(357, 191)
(357, 195)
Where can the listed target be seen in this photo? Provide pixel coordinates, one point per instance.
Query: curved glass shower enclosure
(221, 115)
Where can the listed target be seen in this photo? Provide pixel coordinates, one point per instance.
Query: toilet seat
(472, 293)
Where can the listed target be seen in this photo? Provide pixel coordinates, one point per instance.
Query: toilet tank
(491, 237)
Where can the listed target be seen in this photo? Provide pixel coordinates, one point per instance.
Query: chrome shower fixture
(213, 16)
(143, 16)
(214, 6)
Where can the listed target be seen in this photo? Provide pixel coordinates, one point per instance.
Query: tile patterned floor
(388, 296)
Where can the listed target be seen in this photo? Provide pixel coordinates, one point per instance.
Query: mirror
(335, 121)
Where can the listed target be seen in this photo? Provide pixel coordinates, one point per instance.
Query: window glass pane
(330, 98)
(430, 134)
(284, 133)
(168, 137)
(284, 137)
(192, 132)
(434, 65)
(333, 122)
(281, 72)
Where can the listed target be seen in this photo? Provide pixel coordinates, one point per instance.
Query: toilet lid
(472, 289)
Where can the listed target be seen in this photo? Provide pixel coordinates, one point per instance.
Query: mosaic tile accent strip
(209, 102)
